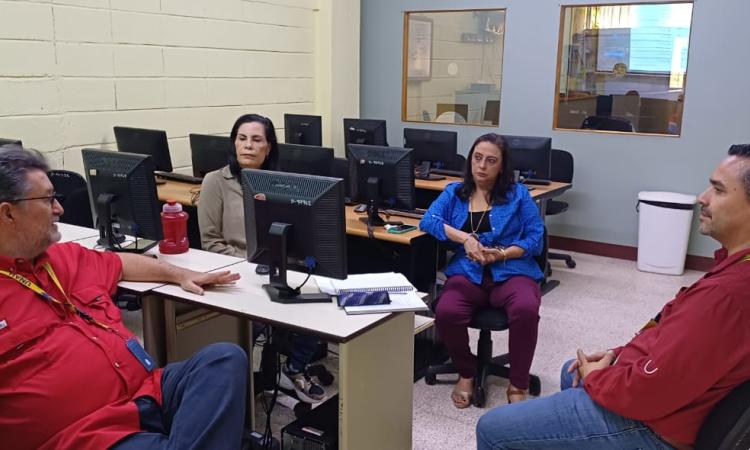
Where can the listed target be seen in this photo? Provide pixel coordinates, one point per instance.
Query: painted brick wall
(70, 70)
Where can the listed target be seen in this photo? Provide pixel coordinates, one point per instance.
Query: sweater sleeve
(532, 236)
(693, 345)
(210, 217)
(438, 214)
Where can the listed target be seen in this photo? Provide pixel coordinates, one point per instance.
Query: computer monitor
(4, 141)
(437, 148)
(209, 153)
(531, 155)
(122, 192)
(294, 221)
(365, 131)
(145, 142)
(307, 159)
(302, 129)
(381, 175)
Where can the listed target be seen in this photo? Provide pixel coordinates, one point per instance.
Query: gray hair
(15, 163)
(743, 151)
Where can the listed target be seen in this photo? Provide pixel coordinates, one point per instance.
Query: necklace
(471, 222)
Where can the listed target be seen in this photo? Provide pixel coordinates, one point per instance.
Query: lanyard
(25, 282)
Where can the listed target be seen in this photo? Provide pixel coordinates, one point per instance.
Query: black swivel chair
(727, 426)
(487, 320)
(75, 197)
(458, 163)
(607, 123)
(562, 171)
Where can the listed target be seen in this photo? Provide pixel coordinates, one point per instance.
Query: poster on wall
(420, 48)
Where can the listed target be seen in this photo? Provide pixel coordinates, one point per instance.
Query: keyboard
(450, 173)
(414, 214)
(536, 181)
(179, 177)
(429, 177)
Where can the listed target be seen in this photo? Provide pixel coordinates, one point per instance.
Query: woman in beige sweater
(222, 224)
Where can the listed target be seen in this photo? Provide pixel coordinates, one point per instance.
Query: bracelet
(505, 255)
(466, 240)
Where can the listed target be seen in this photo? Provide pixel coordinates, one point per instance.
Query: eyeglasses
(50, 198)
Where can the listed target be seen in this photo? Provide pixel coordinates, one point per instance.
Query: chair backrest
(562, 166)
(606, 123)
(728, 424)
(459, 162)
(75, 192)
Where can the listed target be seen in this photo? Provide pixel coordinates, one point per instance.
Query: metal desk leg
(375, 387)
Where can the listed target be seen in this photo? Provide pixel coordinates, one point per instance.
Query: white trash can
(663, 231)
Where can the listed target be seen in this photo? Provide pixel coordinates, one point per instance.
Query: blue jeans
(203, 404)
(566, 420)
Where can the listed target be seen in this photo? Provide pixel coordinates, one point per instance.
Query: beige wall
(73, 69)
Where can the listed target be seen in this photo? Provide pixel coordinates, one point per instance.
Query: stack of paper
(401, 292)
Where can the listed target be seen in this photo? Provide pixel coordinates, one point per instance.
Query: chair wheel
(479, 397)
(570, 263)
(535, 386)
(430, 379)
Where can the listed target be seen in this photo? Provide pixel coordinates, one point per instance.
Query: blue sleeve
(532, 234)
(438, 214)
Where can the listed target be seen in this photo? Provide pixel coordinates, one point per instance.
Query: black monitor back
(532, 155)
(307, 159)
(209, 153)
(129, 178)
(365, 131)
(145, 142)
(313, 205)
(303, 129)
(394, 168)
(437, 147)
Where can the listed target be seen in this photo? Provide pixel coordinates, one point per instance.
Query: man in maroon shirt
(655, 391)
(71, 375)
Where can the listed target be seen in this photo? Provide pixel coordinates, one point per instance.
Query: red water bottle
(174, 227)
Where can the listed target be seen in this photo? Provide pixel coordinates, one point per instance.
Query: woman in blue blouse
(497, 231)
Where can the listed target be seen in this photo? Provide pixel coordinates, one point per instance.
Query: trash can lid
(667, 197)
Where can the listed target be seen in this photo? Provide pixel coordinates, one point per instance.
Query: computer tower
(316, 430)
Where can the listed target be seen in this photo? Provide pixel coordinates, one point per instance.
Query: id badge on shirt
(140, 354)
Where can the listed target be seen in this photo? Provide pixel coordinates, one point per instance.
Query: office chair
(75, 192)
(562, 171)
(458, 163)
(452, 112)
(606, 123)
(728, 424)
(487, 320)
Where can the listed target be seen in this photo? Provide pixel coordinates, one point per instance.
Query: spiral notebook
(392, 282)
(403, 295)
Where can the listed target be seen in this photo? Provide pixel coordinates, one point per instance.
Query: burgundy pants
(519, 296)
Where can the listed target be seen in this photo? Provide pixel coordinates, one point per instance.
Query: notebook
(366, 282)
(402, 294)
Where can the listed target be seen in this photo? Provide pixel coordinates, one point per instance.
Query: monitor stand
(110, 238)
(373, 215)
(278, 289)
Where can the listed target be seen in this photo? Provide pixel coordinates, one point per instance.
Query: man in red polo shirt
(655, 391)
(72, 376)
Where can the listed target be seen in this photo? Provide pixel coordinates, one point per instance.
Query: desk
(376, 354)
(72, 233)
(538, 193)
(184, 193)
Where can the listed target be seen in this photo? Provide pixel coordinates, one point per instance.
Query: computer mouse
(360, 208)
(262, 269)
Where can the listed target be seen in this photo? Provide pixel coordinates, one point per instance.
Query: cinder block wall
(70, 70)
